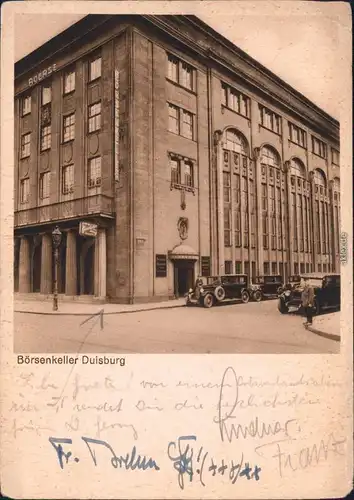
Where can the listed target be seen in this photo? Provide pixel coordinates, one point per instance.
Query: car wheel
(282, 307)
(245, 297)
(257, 296)
(208, 300)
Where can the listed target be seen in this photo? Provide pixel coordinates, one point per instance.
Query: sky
(298, 41)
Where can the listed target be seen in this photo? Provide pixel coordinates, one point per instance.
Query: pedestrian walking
(307, 299)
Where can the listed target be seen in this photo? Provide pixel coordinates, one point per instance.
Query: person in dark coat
(307, 299)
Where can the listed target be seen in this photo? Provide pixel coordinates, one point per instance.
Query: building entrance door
(183, 276)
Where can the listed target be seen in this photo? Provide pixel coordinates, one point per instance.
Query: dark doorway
(184, 276)
(36, 268)
(89, 271)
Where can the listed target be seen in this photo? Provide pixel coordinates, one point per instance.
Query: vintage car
(327, 293)
(211, 290)
(266, 286)
(292, 282)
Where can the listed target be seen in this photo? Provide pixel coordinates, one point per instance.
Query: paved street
(231, 328)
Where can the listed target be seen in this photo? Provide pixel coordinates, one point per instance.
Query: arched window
(272, 200)
(322, 213)
(300, 202)
(238, 185)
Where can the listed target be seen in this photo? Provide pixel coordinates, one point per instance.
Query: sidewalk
(76, 308)
(326, 325)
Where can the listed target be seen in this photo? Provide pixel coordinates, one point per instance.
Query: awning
(183, 252)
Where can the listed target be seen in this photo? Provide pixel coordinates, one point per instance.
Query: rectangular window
(44, 185)
(228, 266)
(253, 231)
(46, 137)
(235, 100)
(67, 180)
(238, 266)
(269, 119)
(94, 121)
(264, 198)
(26, 145)
(335, 157)
(187, 125)
(265, 231)
(180, 72)
(266, 268)
(69, 127)
(274, 232)
(172, 68)
(94, 172)
(297, 135)
(24, 190)
(319, 148)
(227, 187)
(69, 82)
(173, 119)
(188, 174)
(26, 105)
(95, 68)
(274, 268)
(227, 227)
(182, 171)
(175, 171)
(46, 94)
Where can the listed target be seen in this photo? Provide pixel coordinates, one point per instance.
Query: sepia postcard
(176, 250)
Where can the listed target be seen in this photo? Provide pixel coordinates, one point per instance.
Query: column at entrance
(71, 265)
(101, 263)
(25, 266)
(46, 264)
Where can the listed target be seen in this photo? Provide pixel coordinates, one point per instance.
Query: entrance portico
(184, 258)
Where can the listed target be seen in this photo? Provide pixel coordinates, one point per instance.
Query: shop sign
(88, 229)
(42, 75)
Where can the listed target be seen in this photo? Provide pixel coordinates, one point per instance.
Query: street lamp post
(56, 237)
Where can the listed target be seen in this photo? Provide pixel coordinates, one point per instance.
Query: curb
(330, 336)
(104, 313)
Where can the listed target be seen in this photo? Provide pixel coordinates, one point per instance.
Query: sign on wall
(88, 229)
(205, 265)
(161, 266)
(116, 125)
(42, 75)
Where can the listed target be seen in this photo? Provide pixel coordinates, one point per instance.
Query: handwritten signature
(181, 453)
(255, 428)
(131, 461)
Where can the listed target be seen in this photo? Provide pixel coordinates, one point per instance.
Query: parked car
(266, 286)
(292, 282)
(327, 293)
(212, 290)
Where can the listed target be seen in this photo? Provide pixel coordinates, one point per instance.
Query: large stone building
(190, 156)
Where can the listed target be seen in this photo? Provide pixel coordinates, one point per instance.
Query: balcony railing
(68, 209)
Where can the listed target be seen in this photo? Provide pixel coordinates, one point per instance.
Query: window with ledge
(180, 121)
(24, 190)
(46, 137)
(94, 117)
(67, 179)
(94, 172)
(235, 100)
(319, 148)
(69, 82)
(322, 212)
(95, 68)
(26, 105)
(269, 119)
(182, 171)
(69, 127)
(26, 145)
(297, 135)
(270, 168)
(180, 72)
(335, 157)
(46, 94)
(228, 266)
(44, 185)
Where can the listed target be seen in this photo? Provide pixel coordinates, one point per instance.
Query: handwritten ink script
(233, 427)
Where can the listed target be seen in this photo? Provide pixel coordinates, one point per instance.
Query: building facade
(189, 156)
